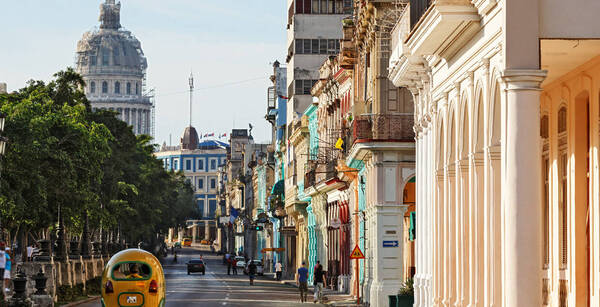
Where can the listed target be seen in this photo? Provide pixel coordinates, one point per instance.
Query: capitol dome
(111, 61)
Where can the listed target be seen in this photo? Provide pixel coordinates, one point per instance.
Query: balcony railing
(310, 178)
(418, 9)
(383, 127)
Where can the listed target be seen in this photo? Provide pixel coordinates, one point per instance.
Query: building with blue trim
(199, 161)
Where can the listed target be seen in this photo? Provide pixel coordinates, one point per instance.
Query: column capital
(524, 79)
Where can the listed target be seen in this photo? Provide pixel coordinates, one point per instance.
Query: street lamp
(3, 141)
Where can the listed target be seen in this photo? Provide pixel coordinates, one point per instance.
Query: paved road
(216, 288)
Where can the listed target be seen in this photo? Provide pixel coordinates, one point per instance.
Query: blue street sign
(390, 243)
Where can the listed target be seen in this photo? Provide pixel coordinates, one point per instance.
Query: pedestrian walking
(278, 271)
(302, 281)
(251, 271)
(319, 282)
(30, 252)
(7, 269)
(234, 266)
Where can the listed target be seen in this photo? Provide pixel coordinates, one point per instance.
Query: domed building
(113, 66)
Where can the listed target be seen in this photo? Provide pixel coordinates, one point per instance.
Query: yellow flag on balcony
(339, 144)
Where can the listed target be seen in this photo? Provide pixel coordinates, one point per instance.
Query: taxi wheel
(188, 272)
(203, 273)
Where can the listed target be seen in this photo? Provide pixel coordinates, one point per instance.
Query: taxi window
(131, 271)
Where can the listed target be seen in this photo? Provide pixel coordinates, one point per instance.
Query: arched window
(128, 88)
(117, 87)
(105, 58)
(92, 87)
(104, 87)
(137, 88)
(116, 57)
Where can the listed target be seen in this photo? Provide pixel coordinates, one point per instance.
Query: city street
(216, 288)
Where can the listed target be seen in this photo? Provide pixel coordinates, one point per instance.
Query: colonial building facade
(199, 161)
(113, 66)
(506, 115)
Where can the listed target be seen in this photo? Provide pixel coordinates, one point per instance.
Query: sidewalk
(334, 298)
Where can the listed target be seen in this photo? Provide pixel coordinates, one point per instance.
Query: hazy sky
(222, 41)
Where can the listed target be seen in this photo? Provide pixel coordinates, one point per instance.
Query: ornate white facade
(113, 66)
(507, 160)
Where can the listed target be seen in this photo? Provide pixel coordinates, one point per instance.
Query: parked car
(206, 242)
(187, 242)
(260, 270)
(196, 265)
(241, 262)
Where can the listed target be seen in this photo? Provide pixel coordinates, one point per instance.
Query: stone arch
(464, 132)
(451, 138)
(495, 113)
(478, 135)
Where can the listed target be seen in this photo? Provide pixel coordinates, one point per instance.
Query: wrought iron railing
(417, 10)
(383, 127)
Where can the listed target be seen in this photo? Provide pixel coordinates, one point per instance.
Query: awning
(278, 188)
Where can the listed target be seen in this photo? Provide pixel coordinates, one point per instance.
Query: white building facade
(113, 66)
(506, 118)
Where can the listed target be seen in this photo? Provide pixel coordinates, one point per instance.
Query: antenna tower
(191, 81)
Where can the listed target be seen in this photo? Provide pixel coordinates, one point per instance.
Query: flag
(339, 144)
(282, 97)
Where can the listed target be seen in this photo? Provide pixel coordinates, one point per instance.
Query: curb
(91, 299)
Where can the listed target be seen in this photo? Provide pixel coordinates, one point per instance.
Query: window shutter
(412, 230)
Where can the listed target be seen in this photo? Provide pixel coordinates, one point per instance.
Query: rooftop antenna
(191, 81)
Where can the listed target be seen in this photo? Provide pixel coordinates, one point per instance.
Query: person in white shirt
(30, 253)
(278, 267)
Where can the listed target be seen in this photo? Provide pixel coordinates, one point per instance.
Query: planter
(405, 301)
(393, 299)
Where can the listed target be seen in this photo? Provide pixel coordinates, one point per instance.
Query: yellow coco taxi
(187, 242)
(133, 278)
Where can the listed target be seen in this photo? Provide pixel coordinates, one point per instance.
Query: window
(201, 183)
(329, 6)
(201, 165)
(105, 58)
(128, 88)
(317, 46)
(137, 88)
(93, 60)
(92, 87)
(188, 165)
(131, 270)
(116, 57)
(563, 213)
(117, 87)
(213, 183)
(201, 207)
(303, 6)
(303, 86)
(104, 87)
(213, 165)
(175, 164)
(212, 207)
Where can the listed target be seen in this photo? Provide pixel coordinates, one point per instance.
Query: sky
(229, 45)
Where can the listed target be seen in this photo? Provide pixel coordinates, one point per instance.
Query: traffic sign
(390, 243)
(357, 254)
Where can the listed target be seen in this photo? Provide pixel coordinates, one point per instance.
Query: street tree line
(63, 157)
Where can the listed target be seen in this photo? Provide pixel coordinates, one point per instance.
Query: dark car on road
(196, 265)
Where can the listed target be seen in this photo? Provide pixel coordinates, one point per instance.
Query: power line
(213, 86)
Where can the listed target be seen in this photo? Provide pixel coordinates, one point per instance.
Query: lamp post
(3, 142)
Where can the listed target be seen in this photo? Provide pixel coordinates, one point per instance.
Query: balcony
(383, 128)
(441, 27)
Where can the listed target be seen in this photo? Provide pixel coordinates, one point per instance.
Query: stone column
(194, 230)
(133, 119)
(139, 122)
(522, 189)
(206, 230)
